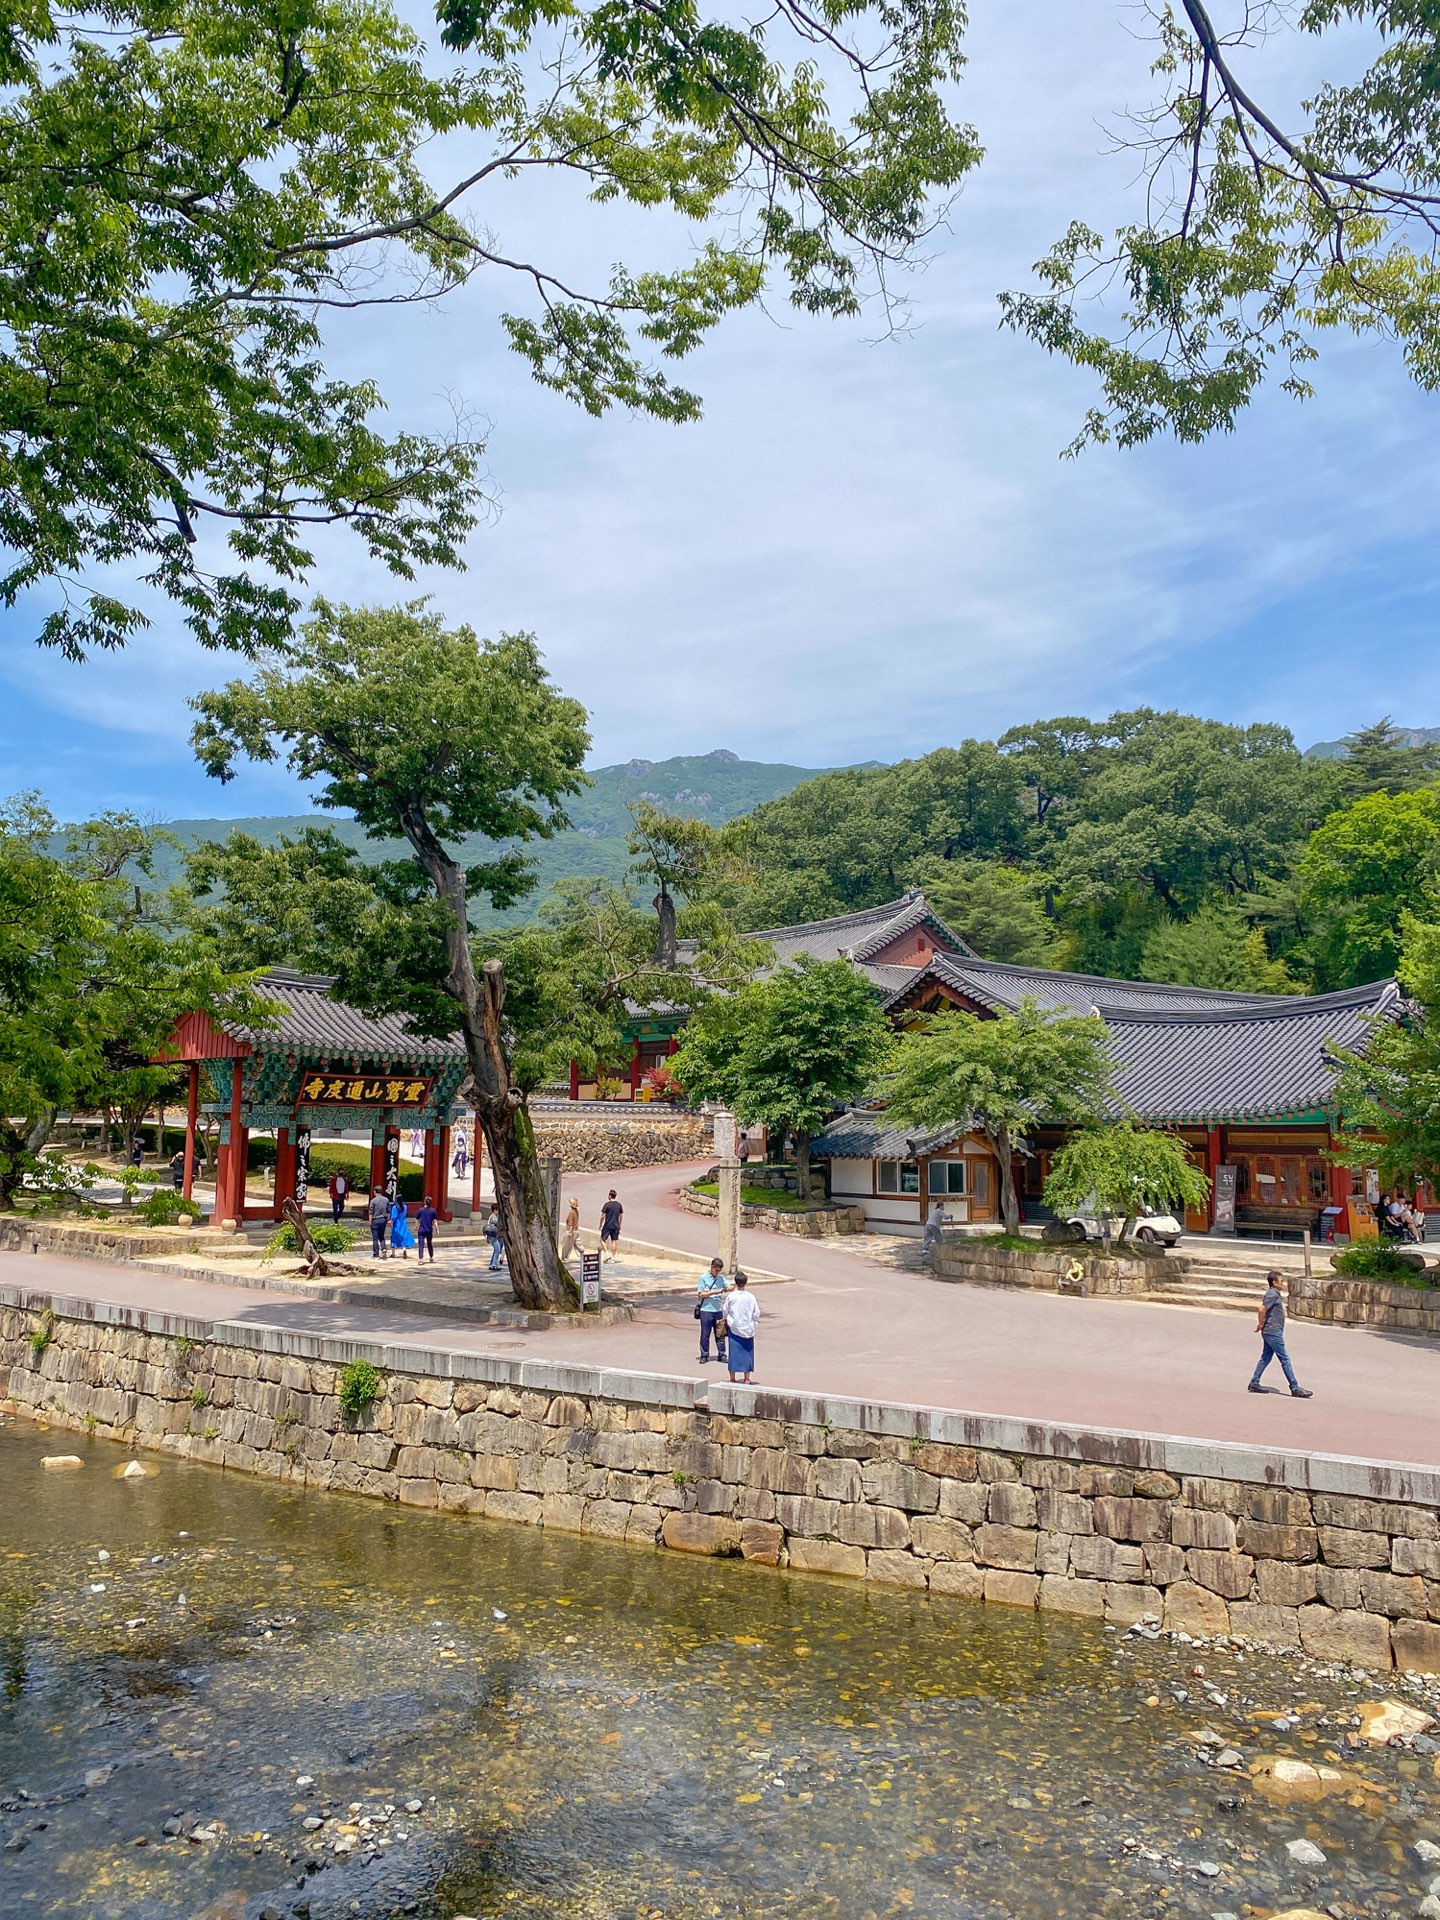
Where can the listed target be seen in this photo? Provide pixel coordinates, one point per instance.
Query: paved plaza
(848, 1325)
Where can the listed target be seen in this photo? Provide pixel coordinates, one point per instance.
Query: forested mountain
(1154, 845)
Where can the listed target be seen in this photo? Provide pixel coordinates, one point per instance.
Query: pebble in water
(1305, 1853)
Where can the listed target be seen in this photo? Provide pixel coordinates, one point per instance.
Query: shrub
(341, 1156)
(41, 1334)
(260, 1153)
(328, 1235)
(359, 1388)
(166, 1208)
(1373, 1260)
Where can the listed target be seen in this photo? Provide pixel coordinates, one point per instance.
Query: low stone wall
(591, 1144)
(1340, 1557)
(816, 1223)
(1069, 1269)
(95, 1241)
(1365, 1303)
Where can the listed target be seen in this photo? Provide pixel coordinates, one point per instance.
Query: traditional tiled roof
(1001, 986)
(859, 935)
(1262, 1062)
(311, 1020)
(863, 1135)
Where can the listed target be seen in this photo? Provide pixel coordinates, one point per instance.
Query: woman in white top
(742, 1316)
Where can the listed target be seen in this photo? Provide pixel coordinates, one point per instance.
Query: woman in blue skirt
(400, 1233)
(742, 1316)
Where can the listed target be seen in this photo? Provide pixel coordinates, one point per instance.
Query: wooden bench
(1275, 1221)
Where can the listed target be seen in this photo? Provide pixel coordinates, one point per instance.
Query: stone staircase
(1228, 1276)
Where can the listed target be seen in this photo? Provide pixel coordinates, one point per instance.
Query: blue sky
(867, 548)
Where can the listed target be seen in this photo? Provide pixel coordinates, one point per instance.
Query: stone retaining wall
(1365, 1303)
(816, 1223)
(1052, 1269)
(95, 1241)
(1338, 1556)
(590, 1144)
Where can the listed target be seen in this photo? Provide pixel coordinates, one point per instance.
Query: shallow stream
(482, 1719)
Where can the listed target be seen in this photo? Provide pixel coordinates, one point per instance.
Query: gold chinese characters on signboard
(364, 1090)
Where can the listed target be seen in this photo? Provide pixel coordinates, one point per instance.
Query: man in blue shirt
(710, 1298)
(1270, 1325)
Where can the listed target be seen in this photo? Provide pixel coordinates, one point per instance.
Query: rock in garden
(62, 1463)
(1384, 1720)
(1305, 1853)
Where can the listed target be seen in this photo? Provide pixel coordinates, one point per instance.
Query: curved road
(846, 1326)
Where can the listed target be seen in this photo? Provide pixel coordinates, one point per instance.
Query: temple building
(321, 1066)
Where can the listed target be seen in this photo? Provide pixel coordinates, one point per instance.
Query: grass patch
(756, 1196)
(1373, 1260)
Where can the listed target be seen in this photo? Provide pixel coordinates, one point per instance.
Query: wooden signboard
(364, 1089)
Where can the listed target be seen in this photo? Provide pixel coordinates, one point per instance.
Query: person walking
(177, 1170)
(710, 1290)
(572, 1229)
(742, 1317)
(742, 1148)
(495, 1235)
(425, 1227)
(461, 1157)
(339, 1191)
(400, 1233)
(611, 1214)
(935, 1227)
(378, 1214)
(1270, 1325)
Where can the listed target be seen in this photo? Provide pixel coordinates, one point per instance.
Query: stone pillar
(727, 1217)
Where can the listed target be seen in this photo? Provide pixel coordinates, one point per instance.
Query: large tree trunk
(802, 1166)
(538, 1276)
(1009, 1199)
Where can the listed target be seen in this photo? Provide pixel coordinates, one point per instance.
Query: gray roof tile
(311, 1019)
(858, 934)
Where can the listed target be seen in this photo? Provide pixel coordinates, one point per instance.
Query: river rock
(1280, 1778)
(61, 1463)
(1427, 1851)
(1384, 1720)
(230, 1906)
(1305, 1853)
(134, 1470)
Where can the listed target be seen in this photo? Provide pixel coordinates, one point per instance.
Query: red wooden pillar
(574, 1079)
(440, 1192)
(1214, 1156)
(285, 1162)
(192, 1122)
(377, 1160)
(230, 1189)
(430, 1164)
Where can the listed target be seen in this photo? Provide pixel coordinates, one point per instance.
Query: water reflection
(489, 1720)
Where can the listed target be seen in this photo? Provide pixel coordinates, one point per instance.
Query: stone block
(1228, 1574)
(1052, 1476)
(1008, 1547)
(565, 1410)
(1202, 1527)
(711, 1533)
(1416, 1556)
(499, 1471)
(1101, 1558)
(458, 1499)
(1152, 1484)
(996, 1466)
(411, 1493)
(1348, 1547)
(951, 1463)
(1221, 1496)
(638, 1452)
(865, 1526)
(1125, 1604)
(779, 1472)
(892, 1485)
(940, 1539)
(608, 1518)
(762, 1541)
(1011, 1504)
(962, 1500)
(896, 1569)
(838, 1480)
(565, 1512)
(1164, 1564)
(1115, 1481)
(962, 1581)
(1083, 1597)
(1338, 1587)
(1281, 1583)
(643, 1526)
(527, 1508)
(1401, 1595)
(1121, 1518)
(1361, 1638)
(1278, 1540)
(735, 1464)
(827, 1556)
(1265, 1626)
(1279, 1506)
(1417, 1646)
(1195, 1610)
(716, 1496)
(1052, 1553)
(845, 1444)
(744, 1431)
(1009, 1589)
(802, 1438)
(807, 1517)
(1064, 1513)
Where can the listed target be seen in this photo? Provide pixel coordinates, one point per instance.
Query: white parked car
(1153, 1229)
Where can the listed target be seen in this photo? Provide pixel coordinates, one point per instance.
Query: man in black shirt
(1270, 1325)
(611, 1214)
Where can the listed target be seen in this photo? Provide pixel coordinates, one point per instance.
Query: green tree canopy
(1362, 870)
(1388, 1092)
(189, 189)
(1124, 1169)
(426, 733)
(1003, 1076)
(787, 1052)
(1219, 949)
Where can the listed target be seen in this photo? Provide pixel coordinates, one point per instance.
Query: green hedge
(1373, 1260)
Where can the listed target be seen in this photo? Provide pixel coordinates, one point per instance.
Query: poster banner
(1224, 1200)
(392, 1163)
(302, 1164)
